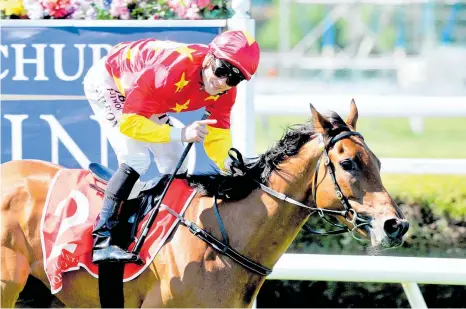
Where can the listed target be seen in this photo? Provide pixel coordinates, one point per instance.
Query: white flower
(81, 7)
(91, 13)
(34, 9)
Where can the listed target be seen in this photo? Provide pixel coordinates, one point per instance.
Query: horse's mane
(237, 187)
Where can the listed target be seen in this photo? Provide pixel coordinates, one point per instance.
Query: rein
(222, 247)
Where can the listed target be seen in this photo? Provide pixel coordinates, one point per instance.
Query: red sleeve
(145, 96)
(221, 109)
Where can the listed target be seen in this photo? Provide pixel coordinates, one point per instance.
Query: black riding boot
(117, 192)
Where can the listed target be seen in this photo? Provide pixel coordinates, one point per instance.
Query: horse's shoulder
(25, 179)
(15, 196)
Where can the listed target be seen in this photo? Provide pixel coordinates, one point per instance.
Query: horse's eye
(348, 165)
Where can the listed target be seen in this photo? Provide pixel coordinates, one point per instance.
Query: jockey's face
(215, 77)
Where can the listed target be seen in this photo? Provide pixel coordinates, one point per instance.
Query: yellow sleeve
(145, 130)
(216, 145)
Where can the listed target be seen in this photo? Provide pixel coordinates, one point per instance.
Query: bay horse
(322, 166)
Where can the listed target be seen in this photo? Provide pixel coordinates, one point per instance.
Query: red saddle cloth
(69, 215)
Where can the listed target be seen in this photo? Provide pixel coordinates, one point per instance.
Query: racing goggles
(224, 69)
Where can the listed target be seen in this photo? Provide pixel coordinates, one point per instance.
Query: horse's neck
(263, 227)
(260, 227)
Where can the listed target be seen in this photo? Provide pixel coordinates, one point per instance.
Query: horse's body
(187, 272)
(184, 266)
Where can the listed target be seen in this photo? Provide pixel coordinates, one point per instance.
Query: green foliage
(304, 17)
(441, 138)
(220, 10)
(159, 9)
(268, 34)
(103, 14)
(430, 235)
(444, 195)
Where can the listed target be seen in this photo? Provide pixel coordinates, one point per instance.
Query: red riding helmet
(238, 48)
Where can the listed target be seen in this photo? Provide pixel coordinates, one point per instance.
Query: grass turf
(387, 137)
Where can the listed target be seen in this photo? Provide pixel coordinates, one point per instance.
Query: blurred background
(404, 63)
(410, 55)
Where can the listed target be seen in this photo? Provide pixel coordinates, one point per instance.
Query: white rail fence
(368, 105)
(423, 166)
(409, 271)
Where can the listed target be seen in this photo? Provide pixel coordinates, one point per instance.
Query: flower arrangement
(115, 9)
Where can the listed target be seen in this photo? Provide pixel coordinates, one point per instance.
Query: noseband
(348, 212)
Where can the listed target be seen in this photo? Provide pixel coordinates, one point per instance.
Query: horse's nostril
(395, 228)
(405, 225)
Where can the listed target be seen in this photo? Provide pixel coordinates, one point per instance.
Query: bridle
(348, 212)
(335, 136)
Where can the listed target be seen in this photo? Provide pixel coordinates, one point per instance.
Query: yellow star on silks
(212, 97)
(128, 54)
(181, 83)
(186, 51)
(249, 38)
(179, 107)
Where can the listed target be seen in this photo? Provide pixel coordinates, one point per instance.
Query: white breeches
(107, 104)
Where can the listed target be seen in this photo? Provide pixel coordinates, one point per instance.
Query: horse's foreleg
(14, 274)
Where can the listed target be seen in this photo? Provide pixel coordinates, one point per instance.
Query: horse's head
(347, 182)
(324, 167)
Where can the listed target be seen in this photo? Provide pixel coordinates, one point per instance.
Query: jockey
(132, 89)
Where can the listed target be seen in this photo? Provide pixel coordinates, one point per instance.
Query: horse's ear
(321, 125)
(352, 118)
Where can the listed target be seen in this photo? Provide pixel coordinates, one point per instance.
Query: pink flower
(174, 4)
(116, 7)
(178, 7)
(203, 3)
(57, 8)
(125, 13)
(119, 8)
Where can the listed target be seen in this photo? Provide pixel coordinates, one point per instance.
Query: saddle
(78, 193)
(103, 174)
